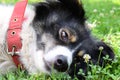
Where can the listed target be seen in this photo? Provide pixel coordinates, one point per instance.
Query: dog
(54, 38)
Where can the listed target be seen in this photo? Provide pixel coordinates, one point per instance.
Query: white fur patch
(58, 50)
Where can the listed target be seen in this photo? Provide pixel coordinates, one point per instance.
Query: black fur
(91, 47)
(54, 15)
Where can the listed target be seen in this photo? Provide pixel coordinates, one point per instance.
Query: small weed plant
(96, 72)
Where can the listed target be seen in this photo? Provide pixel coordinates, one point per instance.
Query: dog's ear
(104, 50)
(97, 50)
(41, 11)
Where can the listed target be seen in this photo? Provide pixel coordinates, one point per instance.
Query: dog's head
(61, 32)
(59, 27)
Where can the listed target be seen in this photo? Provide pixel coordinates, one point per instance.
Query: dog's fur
(53, 35)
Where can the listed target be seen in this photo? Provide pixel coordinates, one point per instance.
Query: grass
(105, 15)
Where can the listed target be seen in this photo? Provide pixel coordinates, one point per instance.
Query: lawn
(104, 15)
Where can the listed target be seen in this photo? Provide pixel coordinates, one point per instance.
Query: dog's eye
(64, 35)
(67, 35)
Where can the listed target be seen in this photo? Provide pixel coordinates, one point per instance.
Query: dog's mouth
(47, 65)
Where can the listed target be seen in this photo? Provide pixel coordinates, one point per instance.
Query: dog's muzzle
(61, 63)
(58, 58)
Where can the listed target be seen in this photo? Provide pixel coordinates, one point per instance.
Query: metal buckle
(13, 51)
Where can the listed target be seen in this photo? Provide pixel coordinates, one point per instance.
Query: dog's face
(59, 27)
(63, 37)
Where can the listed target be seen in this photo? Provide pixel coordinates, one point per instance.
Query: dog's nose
(61, 63)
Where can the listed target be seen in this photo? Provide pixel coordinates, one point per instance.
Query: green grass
(105, 14)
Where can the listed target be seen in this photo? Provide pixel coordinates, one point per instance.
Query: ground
(104, 16)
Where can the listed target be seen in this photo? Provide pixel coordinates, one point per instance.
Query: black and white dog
(54, 37)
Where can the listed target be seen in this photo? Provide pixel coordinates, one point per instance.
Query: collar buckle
(13, 51)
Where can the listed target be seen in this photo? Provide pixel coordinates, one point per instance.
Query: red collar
(15, 26)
